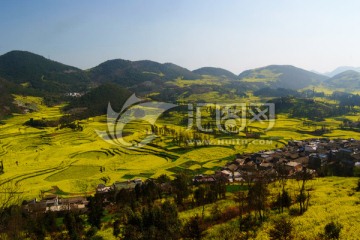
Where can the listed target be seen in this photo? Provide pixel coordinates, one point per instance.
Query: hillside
(219, 72)
(95, 102)
(347, 80)
(37, 72)
(146, 75)
(281, 76)
(339, 70)
(6, 99)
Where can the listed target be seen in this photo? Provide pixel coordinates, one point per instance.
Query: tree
(282, 229)
(220, 186)
(199, 195)
(303, 199)
(95, 210)
(240, 198)
(154, 222)
(150, 191)
(257, 197)
(116, 228)
(169, 221)
(332, 230)
(15, 224)
(282, 200)
(181, 185)
(193, 228)
(9, 196)
(74, 225)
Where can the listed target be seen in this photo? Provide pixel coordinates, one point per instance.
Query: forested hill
(218, 72)
(349, 80)
(37, 72)
(6, 100)
(95, 102)
(282, 76)
(129, 73)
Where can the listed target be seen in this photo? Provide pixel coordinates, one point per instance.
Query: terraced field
(39, 159)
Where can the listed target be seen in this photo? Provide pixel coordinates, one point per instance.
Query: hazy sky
(235, 35)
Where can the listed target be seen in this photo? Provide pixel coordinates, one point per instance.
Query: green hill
(95, 102)
(347, 80)
(278, 92)
(218, 72)
(144, 74)
(341, 69)
(39, 73)
(6, 99)
(281, 76)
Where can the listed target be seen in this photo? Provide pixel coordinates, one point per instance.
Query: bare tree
(10, 195)
(303, 199)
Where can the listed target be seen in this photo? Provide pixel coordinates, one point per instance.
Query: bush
(332, 231)
(294, 212)
(282, 229)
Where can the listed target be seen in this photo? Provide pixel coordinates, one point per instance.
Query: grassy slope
(332, 199)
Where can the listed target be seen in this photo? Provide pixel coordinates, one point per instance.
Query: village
(318, 157)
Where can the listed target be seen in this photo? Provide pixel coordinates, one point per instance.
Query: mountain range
(27, 73)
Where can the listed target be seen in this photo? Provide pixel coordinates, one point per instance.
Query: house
(240, 161)
(265, 166)
(293, 167)
(249, 166)
(232, 167)
(238, 177)
(101, 188)
(302, 160)
(199, 179)
(226, 174)
(130, 184)
(310, 148)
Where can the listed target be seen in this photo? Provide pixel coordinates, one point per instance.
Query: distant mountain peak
(349, 79)
(341, 69)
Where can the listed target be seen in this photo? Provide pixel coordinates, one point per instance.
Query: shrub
(282, 229)
(331, 231)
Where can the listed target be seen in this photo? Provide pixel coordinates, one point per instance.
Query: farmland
(333, 199)
(39, 159)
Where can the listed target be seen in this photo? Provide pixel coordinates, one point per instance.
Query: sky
(236, 35)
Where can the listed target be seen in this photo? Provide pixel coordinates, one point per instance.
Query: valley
(57, 142)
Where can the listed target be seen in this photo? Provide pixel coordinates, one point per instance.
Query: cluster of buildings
(117, 186)
(319, 156)
(53, 203)
(74, 94)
